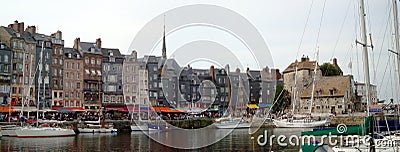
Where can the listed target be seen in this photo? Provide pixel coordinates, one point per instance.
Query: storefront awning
(6, 109)
(264, 105)
(252, 106)
(166, 109)
(116, 108)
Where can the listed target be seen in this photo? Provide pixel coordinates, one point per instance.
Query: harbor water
(237, 140)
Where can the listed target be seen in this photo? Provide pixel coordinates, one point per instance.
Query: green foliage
(283, 101)
(328, 69)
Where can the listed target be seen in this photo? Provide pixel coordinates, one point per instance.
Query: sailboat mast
(23, 84)
(39, 80)
(365, 55)
(396, 35)
(294, 89)
(313, 85)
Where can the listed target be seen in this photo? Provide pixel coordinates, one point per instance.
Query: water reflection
(238, 140)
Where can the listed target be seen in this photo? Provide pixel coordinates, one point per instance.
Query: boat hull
(139, 128)
(43, 132)
(300, 124)
(97, 130)
(232, 125)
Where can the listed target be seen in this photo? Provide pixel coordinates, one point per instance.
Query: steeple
(164, 49)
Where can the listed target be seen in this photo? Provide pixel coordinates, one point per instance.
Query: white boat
(9, 130)
(139, 127)
(233, 124)
(301, 123)
(34, 132)
(95, 127)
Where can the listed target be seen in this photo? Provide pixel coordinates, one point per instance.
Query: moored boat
(301, 123)
(41, 132)
(233, 124)
(9, 130)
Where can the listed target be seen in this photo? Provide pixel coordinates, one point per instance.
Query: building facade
(130, 79)
(298, 76)
(5, 73)
(73, 75)
(57, 73)
(92, 64)
(332, 94)
(22, 62)
(44, 76)
(360, 91)
(112, 77)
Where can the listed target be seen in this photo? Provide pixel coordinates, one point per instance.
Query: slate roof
(116, 53)
(338, 84)
(74, 53)
(10, 31)
(28, 37)
(87, 47)
(305, 65)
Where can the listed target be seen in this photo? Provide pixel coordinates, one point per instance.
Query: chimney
(98, 43)
(227, 68)
(237, 70)
(134, 54)
(335, 62)
(76, 43)
(57, 35)
(19, 27)
(212, 74)
(303, 59)
(31, 29)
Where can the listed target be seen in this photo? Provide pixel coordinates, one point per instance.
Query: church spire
(164, 48)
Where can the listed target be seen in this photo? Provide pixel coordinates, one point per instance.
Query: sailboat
(43, 130)
(303, 122)
(229, 122)
(138, 125)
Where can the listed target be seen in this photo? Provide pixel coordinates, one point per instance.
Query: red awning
(6, 109)
(57, 107)
(166, 109)
(116, 108)
(76, 109)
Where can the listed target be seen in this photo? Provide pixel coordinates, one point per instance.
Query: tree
(328, 69)
(283, 100)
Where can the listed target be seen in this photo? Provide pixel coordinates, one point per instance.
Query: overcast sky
(281, 24)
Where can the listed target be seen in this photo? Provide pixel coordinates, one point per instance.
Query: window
(92, 61)
(66, 65)
(111, 78)
(111, 88)
(6, 68)
(72, 95)
(331, 92)
(98, 62)
(112, 98)
(66, 85)
(6, 58)
(61, 61)
(61, 51)
(69, 55)
(78, 85)
(86, 60)
(55, 94)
